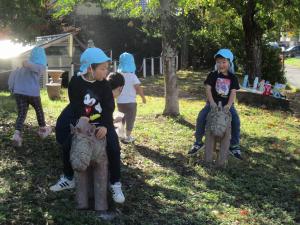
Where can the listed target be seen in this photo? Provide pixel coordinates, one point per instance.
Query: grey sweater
(26, 80)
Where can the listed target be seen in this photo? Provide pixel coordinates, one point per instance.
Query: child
(221, 85)
(91, 97)
(127, 99)
(24, 83)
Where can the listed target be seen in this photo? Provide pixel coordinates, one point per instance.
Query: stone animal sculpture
(89, 161)
(218, 128)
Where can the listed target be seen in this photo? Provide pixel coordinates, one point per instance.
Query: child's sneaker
(128, 140)
(195, 148)
(44, 131)
(117, 194)
(17, 139)
(235, 150)
(62, 184)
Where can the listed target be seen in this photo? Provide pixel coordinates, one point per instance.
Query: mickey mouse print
(93, 107)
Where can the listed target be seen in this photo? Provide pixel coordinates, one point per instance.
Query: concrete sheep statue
(218, 128)
(89, 161)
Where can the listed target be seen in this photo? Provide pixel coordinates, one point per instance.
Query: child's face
(223, 65)
(101, 71)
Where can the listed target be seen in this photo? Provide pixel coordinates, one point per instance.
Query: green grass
(292, 62)
(159, 184)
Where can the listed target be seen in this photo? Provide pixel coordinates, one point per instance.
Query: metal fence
(150, 66)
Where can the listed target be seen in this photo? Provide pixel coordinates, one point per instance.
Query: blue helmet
(227, 54)
(38, 56)
(126, 63)
(91, 56)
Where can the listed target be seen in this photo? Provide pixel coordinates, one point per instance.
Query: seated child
(91, 97)
(221, 86)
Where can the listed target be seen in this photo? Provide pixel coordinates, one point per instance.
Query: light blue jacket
(26, 80)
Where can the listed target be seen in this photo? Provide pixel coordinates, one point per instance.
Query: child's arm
(235, 86)
(140, 92)
(108, 106)
(209, 96)
(231, 98)
(39, 69)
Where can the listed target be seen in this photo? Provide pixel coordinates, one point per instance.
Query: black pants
(23, 102)
(64, 137)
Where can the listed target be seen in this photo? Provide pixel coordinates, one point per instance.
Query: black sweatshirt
(92, 99)
(221, 86)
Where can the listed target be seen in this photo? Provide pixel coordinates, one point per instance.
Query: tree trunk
(169, 38)
(184, 52)
(253, 41)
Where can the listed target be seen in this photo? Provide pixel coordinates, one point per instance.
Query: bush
(272, 67)
(202, 51)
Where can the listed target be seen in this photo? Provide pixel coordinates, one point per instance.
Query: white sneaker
(117, 194)
(44, 131)
(62, 184)
(129, 139)
(17, 139)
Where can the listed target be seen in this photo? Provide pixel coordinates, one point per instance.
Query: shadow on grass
(268, 182)
(26, 174)
(177, 163)
(181, 120)
(8, 107)
(152, 204)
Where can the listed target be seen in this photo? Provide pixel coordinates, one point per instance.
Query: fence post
(160, 65)
(71, 74)
(115, 65)
(176, 62)
(144, 67)
(152, 66)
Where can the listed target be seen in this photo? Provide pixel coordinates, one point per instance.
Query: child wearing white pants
(127, 99)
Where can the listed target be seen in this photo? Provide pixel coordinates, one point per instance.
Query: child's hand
(226, 108)
(213, 104)
(85, 118)
(101, 132)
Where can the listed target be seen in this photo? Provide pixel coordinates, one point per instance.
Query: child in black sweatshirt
(91, 97)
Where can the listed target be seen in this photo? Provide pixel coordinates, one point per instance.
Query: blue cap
(91, 56)
(38, 56)
(225, 53)
(126, 63)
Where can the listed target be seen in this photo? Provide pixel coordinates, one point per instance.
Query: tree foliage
(27, 18)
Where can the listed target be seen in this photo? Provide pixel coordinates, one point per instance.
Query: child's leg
(235, 149)
(113, 153)
(37, 105)
(200, 125)
(67, 167)
(235, 127)
(129, 110)
(114, 164)
(200, 130)
(64, 137)
(130, 116)
(22, 107)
